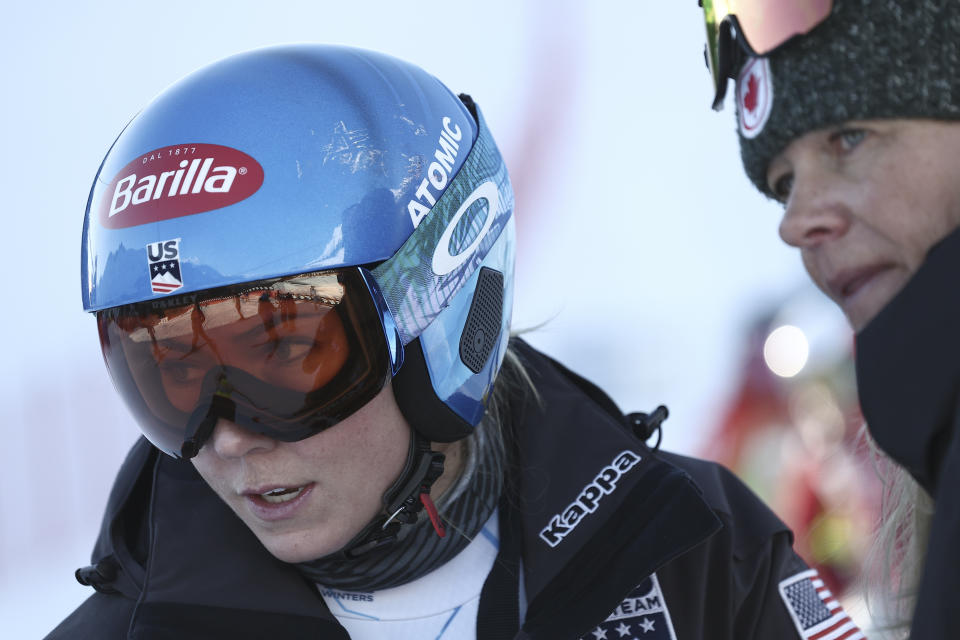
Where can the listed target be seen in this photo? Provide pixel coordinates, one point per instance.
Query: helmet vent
(484, 320)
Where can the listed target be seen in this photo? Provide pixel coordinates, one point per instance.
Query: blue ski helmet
(302, 159)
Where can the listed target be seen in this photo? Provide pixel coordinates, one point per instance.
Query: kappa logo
(586, 503)
(754, 96)
(643, 615)
(163, 260)
(177, 181)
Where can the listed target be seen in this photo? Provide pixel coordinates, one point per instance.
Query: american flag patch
(815, 612)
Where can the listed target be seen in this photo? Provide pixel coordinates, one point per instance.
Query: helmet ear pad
(479, 336)
(419, 403)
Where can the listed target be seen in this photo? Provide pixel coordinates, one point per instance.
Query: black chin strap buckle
(408, 502)
(404, 503)
(644, 424)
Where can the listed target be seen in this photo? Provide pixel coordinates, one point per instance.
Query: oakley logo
(562, 524)
(178, 181)
(443, 261)
(438, 173)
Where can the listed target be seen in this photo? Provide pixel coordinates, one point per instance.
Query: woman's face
(325, 488)
(864, 203)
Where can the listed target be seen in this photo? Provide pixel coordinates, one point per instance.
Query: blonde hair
(894, 564)
(496, 432)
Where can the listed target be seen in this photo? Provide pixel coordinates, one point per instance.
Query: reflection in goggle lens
(286, 358)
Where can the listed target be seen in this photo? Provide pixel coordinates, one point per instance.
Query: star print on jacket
(642, 615)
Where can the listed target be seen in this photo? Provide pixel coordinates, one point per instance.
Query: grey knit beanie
(869, 59)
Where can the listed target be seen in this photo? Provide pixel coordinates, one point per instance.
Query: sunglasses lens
(712, 53)
(767, 25)
(763, 25)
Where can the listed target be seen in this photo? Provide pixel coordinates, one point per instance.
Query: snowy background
(644, 253)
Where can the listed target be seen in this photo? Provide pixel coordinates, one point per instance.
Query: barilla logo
(177, 181)
(562, 524)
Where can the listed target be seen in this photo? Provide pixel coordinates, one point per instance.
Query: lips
(846, 283)
(277, 502)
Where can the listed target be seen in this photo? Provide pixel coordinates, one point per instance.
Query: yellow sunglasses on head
(753, 27)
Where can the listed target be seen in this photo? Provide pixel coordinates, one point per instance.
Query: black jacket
(604, 526)
(908, 377)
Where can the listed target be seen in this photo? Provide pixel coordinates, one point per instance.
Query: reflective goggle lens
(762, 24)
(286, 358)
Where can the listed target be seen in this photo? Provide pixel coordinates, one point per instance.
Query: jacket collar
(908, 369)
(207, 576)
(599, 510)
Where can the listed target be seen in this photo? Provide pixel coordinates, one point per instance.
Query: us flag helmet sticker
(815, 612)
(642, 615)
(163, 261)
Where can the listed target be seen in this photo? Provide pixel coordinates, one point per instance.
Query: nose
(815, 212)
(230, 440)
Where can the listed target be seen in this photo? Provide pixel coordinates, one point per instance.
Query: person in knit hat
(847, 115)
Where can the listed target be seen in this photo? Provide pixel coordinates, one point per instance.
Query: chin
(856, 319)
(860, 318)
(293, 548)
(867, 304)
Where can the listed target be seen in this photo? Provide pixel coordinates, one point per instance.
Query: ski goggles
(286, 357)
(758, 26)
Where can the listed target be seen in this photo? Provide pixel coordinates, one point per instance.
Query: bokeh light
(786, 351)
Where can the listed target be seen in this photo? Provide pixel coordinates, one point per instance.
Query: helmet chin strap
(403, 501)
